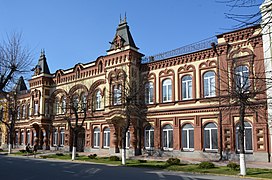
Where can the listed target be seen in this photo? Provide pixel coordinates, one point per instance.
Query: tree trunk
(123, 152)
(241, 140)
(74, 145)
(10, 141)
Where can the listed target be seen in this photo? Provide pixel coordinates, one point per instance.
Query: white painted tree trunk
(123, 156)
(73, 153)
(9, 149)
(242, 164)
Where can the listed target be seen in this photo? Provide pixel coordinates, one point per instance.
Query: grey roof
(20, 85)
(42, 64)
(124, 33)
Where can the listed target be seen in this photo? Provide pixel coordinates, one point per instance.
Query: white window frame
(149, 93)
(167, 90)
(242, 78)
(247, 126)
(187, 128)
(117, 94)
(106, 138)
(63, 105)
(187, 83)
(55, 137)
(148, 137)
(62, 136)
(211, 138)
(168, 131)
(96, 137)
(98, 100)
(209, 84)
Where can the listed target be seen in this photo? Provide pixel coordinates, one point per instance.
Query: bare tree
(15, 59)
(242, 89)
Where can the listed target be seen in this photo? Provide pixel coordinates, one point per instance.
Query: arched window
(241, 76)
(149, 137)
(96, 138)
(63, 105)
(75, 101)
(106, 138)
(117, 94)
(83, 101)
(187, 87)
(247, 137)
(209, 84)
(98, 100)
(24, 111)
(210, 137)
(57, 106)
(187, 137)
(149, 93)
(55, 137)
(62, 133)
(167, 137)
(166, 90)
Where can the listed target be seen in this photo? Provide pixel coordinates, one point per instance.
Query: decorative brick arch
(76, 87)
(58, 91)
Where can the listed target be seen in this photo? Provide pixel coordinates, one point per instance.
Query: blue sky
(73, 31)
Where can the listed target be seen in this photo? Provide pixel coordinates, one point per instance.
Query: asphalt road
(19, 168)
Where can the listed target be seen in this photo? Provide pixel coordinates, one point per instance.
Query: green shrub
(142, 161)
(114, 158)
(59, 154)
(206, 165)
(22, 151)
(233, 166)
(92, 156)
(173, 161)
(1, 150)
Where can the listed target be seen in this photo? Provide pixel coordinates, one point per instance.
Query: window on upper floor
(98, 100)
(75, 102)
(57, 104)
(24, 111)
(83, 101)
(63, 104)
(186, 87)
(18, 112)
(167, 90)
(209, 84)
(241, 78)
(149, 93)
(117, 94)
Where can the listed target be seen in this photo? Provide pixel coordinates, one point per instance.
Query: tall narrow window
(247, 137)
(149, 93)
(63, 105)
(75, 101)
(56, 106)
(22, 138)
(209, 84)
(28, 110)
(167, 90)
(106, 138)
(186, 87)
(28, 137)
(96, 138)
(98, 98)
(127, 139)
(242, 78)
(187, 138)
(18, 112)
(55, 137)
(117, 94)
(36, 108)
(24, 111)
(167, 137)
(62, 133)
(210, 137)
(83, 101)
(149, 137)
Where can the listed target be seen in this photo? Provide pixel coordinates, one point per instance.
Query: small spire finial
(125, 19)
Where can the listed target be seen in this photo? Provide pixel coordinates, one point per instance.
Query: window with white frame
(98, 100)
(209, 84)
(57, 106)
(55, 137)
(83, 101)
(187, 137)
(62, 133)
(149, 137)
(242, 78)
(149, 93)
(167, 137)
(96, 138)
(18, 112)
(117, 94)
(28, 110)
(247, 137)
(186, 87)
(167, 90)
(22, 139)
(210, 137)
(127, 139)
(106, 138)
(63, 105)
(28, 137)
(24, 111)
(36, 108)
